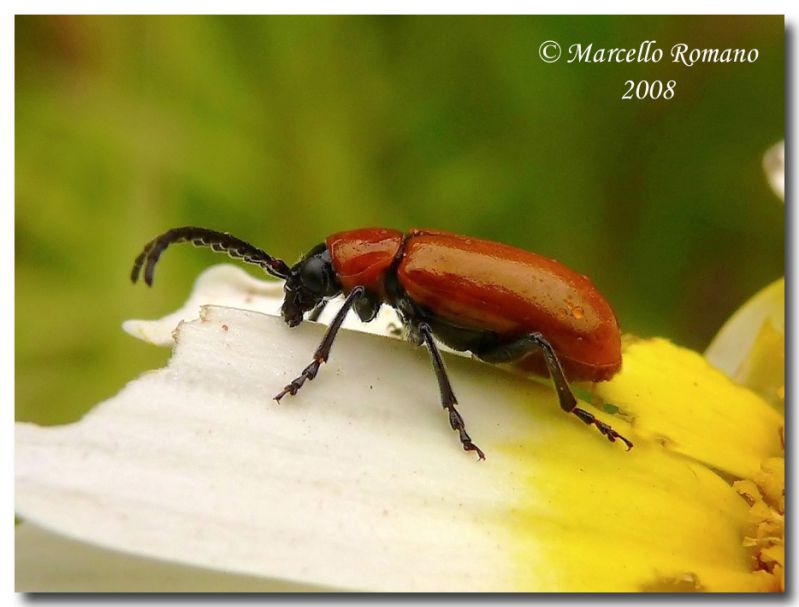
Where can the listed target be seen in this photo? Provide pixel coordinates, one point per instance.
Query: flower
(750, 348)
(193, 476)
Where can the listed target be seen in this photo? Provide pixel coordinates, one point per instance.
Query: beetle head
(311, 281)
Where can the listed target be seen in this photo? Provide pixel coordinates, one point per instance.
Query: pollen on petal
(765, 531)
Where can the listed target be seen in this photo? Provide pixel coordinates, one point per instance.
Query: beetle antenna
(201, 237)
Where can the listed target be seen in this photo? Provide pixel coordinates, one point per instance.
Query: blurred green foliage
(285, 129)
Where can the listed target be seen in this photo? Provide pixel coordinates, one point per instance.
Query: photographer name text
(649, 52)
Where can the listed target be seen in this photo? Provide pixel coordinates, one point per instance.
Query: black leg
(317, 311)
(323, 351)
(523, 346)
(448, 400)
(366, 307)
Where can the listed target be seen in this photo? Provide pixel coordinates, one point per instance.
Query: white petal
(359, 483)
(222, 285)
(734, 341)
(54, 563)
(774, 165)
(230, 286)
(201, 450)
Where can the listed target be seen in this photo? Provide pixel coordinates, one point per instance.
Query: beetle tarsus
(308, 373)
(457, 424)
(603, 428)
(522, 347)
(323, 351)
(470, 446)
(448, 400)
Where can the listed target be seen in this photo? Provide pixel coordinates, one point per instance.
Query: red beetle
(502, 304)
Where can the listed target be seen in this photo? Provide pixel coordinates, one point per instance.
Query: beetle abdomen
(494, 287)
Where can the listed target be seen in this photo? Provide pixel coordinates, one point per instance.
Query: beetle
(501, 303)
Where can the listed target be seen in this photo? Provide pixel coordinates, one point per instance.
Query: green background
(282, 130)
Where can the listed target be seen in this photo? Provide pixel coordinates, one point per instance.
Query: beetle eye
(313, 276)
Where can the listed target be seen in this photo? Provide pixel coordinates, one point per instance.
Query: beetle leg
(448, 400)
(323, 351)
(367, 307)
(317, 311)
(519, 348)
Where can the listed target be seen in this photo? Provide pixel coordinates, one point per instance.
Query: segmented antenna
(201, 237)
